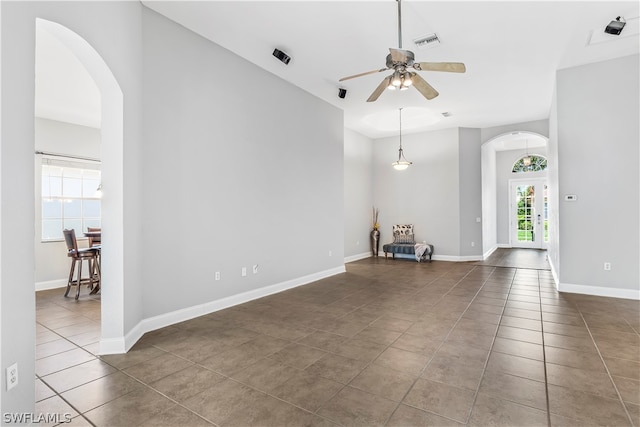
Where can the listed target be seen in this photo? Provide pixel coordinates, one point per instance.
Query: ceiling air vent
(429, 41)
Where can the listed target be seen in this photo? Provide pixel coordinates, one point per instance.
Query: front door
(529, 214)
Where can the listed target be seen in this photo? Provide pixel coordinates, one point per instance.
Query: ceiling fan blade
(450, 67)
(425, 88)
(400, 55)
(363, 74)
(381, 87)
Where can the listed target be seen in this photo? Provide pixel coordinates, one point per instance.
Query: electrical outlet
(244, 271)
(255, 269)
(330, 253)
(607, 266)
(217, 275)
(473, 244)
(12, 376)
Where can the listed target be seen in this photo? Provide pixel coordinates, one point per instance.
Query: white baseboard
(123, 344)
(504, 245)
(455, 258)
(51, 284)
(488, 253)
(450, 258)
(554, 273)
(357, 257)
(601, 291)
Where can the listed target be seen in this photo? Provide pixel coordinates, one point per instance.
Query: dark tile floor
(390, 342)
(517, 258)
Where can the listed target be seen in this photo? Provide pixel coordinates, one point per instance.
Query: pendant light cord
(400, 151)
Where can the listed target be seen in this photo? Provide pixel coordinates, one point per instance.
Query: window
(534, 164)
(69, 198)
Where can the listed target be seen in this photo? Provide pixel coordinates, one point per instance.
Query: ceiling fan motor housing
(408, 63)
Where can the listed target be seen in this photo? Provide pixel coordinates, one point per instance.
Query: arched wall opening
(518, 142)
(112, 148)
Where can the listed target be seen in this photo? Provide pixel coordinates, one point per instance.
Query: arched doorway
(498, 157)
(112, 126)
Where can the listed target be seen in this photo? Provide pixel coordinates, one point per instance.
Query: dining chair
(77, 257)
(94, 240)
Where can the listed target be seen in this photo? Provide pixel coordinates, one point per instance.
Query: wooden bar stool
(77, 256)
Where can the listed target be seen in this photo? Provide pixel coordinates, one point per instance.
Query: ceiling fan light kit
(401, 61)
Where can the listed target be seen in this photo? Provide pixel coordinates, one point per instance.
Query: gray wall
(234, 174)
(470, 192)
(597, 143)
(426, 194)
(187, 211)
(121, 50)
(358, 194)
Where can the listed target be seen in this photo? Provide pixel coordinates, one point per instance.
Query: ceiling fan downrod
(399, 24)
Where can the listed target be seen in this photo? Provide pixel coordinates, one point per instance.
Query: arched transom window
(530, 163)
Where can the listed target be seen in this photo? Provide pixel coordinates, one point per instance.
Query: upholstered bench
(403, 243)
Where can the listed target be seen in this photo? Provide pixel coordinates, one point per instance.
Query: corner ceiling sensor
(281, 56)
(402, 163)
(401, 61)
(615, 27)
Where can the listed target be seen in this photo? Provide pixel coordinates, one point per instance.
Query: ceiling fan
(402, 62)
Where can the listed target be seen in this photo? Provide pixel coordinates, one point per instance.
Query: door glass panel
(526, 213)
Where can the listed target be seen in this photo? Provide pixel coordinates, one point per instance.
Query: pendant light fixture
(402, 163)
(526, 160)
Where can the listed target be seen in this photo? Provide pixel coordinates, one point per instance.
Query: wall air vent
(429, 41)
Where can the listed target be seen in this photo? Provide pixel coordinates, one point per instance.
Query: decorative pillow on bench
(403, 233)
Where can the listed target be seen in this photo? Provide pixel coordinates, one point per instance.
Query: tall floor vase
(375, 241)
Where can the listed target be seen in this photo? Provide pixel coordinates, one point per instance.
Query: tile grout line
(372, 361)
(437, 348)
(544, 354)
(230, 378)
(385, 349)
(442, 343)
(41, 378)
(615, 387)
(67, 402)
(486, 363)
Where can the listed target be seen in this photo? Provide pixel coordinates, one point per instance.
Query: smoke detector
(427, 41)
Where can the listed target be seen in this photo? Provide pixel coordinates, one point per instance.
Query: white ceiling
(511, 49)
